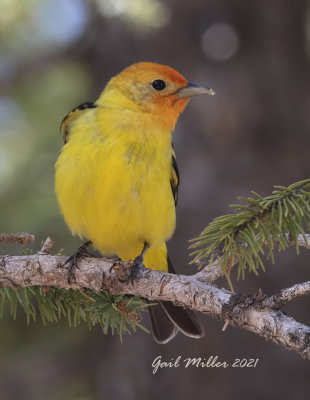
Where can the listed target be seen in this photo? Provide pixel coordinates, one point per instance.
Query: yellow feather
(113, 183)
(113, 175)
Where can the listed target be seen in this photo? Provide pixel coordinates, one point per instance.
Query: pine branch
(210, 273)
(261, 223)
(99, 276)
(114, 313)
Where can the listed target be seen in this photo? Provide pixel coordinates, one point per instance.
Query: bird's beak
(192, 90)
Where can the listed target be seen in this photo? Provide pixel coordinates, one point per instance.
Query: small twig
(209, 273)
(300, 240)
(225, 325)
(287, 295)
(47, 246)
(20, 238)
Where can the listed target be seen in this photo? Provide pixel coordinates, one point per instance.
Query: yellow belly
(117, 194)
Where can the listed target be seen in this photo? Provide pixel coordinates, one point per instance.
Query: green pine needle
(258, 225)
(118, 314)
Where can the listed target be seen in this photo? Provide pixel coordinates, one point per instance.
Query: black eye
(159, 84)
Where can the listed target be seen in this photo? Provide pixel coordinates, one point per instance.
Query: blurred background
(253, 134)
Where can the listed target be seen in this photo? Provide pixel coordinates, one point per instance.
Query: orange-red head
(152, 88)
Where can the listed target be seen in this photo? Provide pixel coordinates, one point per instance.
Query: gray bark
(256, 313)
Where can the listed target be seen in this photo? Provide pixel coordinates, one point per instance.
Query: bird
(116, 177)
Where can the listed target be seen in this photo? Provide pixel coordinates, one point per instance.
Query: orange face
(151, 88)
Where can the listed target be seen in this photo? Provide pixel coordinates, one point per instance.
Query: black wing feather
(72, 116)
(175, 178)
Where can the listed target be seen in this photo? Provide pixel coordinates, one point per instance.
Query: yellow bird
(117, 179)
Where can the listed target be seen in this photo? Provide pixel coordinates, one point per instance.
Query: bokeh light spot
(220, 42)
(142, 13)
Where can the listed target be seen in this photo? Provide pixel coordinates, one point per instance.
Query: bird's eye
(159, 84)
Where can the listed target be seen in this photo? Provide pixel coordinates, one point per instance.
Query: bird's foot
(128, 270)
(137, 264)
(72, 261)
(136, 267)
(131, 269)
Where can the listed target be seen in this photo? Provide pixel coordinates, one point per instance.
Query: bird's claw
(71, 264)
(73, 260)
(137, 267)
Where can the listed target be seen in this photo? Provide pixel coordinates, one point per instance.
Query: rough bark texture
(256, 313)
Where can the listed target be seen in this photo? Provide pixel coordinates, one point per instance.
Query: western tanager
(117, 178)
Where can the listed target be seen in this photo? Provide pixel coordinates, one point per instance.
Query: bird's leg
(138, 261)
(74, 259)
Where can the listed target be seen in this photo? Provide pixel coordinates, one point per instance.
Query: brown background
(253, 134)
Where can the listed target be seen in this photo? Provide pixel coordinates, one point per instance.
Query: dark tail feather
(162, 327)
(167, 319)
(185, 320)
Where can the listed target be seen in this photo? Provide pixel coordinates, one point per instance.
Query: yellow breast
(113, 182)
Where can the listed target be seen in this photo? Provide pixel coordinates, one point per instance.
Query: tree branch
(287, 295)
(208, 273)
(20, 238)
(252, 312)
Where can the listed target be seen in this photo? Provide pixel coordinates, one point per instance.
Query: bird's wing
(71, 117)
(174, 177)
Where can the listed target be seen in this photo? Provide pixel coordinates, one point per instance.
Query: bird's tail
(167, 319)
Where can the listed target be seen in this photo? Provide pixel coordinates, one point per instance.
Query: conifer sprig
(259, 225)
(116, 313)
